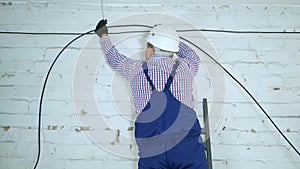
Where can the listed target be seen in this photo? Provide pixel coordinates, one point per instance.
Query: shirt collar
(159, 56)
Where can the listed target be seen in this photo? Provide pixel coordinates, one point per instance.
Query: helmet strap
(158, 51)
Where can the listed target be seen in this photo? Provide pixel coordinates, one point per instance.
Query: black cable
(39, 33)
(90, 32)
(131, 25)
(61, 33)
(42, 95)
(252, 97)
(146, 26)
(239, 32)
(78, 33)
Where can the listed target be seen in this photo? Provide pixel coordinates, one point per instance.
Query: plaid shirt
(160, 68)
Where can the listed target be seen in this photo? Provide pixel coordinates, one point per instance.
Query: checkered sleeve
(190, 56)
(118, 61)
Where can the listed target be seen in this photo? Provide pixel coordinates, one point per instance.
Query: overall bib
(167, 131)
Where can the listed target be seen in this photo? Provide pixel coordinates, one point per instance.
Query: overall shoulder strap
(171, 77)
(145, 70)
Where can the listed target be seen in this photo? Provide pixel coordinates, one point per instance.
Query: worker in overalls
(167, 130)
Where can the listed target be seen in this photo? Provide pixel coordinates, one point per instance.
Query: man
(167, 130)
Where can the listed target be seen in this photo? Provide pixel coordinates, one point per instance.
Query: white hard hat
(164, 37)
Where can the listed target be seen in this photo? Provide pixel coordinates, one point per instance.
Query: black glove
(101, 27)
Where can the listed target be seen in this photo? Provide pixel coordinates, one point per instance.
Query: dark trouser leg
(154, 162)
(188, 154)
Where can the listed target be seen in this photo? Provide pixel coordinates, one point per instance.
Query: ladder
(206, 133)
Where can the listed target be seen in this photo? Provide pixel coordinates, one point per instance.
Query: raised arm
(118, 61)
(190, 56)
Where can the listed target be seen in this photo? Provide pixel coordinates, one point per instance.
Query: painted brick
(13, 106)
(17, 40)
(267, 64)
(13, 162)
(253, 153)
(14, 54)
(235, 164)
(253, 137)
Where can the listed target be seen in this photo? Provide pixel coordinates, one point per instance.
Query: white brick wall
(267, 64)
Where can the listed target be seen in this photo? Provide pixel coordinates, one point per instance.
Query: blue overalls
(167, 132)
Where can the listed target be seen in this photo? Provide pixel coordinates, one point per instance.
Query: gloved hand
(101, 28)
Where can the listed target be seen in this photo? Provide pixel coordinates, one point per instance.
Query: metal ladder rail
(206, 133)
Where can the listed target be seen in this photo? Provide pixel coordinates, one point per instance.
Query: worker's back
(159, 70)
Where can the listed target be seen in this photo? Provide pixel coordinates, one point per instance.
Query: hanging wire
(239, 31)
(146, 26)
(143, 31)
(187, 30)
(42, 95)
(245, 89)
(90, 32)
(102, 10)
